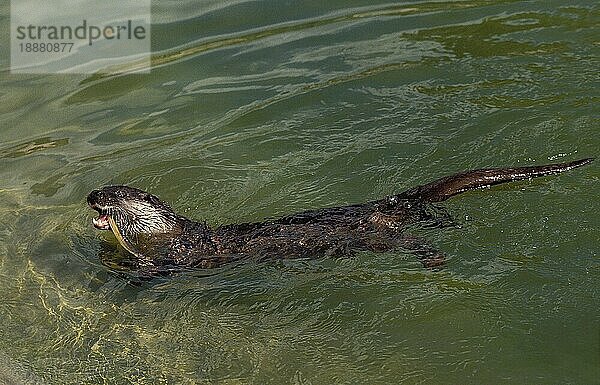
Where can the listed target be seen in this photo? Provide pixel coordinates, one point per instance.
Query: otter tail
(443, 188)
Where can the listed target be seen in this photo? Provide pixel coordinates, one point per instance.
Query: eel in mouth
(105, 222)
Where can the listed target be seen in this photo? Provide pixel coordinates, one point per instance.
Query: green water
(257, 109)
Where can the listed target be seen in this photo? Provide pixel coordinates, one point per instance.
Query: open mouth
(101, 223)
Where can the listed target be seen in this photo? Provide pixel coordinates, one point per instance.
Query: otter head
(139, 220)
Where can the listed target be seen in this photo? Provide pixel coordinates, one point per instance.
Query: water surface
(258, 109)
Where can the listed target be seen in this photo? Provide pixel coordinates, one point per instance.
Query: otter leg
(430, 257)
(390, 236)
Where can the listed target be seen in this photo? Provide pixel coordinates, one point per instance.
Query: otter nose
(94, 197)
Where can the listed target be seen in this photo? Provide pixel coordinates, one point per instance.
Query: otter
(156, 236)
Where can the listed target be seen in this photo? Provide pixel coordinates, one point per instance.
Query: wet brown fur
(376, 226)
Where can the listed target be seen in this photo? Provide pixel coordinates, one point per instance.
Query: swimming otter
(150, 230)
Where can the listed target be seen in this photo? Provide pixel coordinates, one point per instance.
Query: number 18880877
(45, 47)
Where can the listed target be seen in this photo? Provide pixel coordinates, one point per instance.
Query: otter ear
(151, 199)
